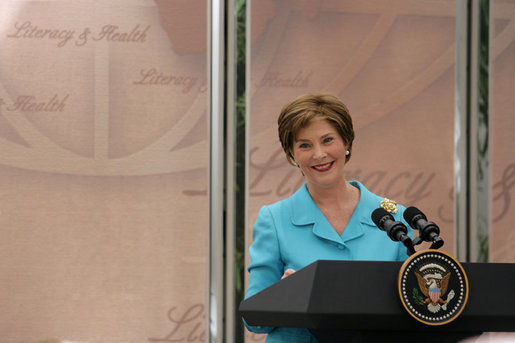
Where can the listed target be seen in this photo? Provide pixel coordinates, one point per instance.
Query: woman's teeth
(323, 166)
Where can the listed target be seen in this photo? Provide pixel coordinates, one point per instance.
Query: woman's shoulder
(285, 207)
(299, 195)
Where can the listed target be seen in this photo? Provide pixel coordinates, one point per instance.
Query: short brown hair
(302, 110)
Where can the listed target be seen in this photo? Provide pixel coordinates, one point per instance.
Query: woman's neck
(340, 194)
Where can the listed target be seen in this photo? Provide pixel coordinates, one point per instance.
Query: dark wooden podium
(358, 301)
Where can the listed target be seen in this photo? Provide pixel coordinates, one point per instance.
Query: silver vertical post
(217, 162)
(461, 160)
(230, 225)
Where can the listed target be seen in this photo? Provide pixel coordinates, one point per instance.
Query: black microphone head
(378, 214)
(411, 212)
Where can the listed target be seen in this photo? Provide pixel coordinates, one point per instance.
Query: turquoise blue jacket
(293, 233)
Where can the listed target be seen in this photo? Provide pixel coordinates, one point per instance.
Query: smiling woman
(327, 218)
(316, 134)
(302, 110)
(320, 153)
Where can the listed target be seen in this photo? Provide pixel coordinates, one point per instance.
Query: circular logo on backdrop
(433, 287)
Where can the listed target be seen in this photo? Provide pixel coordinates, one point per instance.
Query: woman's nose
(319, 153)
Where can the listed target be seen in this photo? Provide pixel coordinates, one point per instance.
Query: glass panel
(502, 74)
(103, 171)
(394, 66)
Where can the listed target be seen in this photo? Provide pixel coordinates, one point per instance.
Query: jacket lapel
(361, 220)
(306, 214)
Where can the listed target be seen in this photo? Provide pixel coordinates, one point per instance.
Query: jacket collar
(305, 213)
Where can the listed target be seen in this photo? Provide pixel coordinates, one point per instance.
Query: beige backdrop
(103, 171)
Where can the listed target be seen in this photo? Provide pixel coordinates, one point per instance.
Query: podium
(358, 301)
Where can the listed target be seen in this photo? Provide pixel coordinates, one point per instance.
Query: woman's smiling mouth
(323, 167)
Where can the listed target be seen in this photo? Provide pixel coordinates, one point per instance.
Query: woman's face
(319, 152)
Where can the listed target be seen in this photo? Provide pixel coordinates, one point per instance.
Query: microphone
(428, 231)
(397, 231)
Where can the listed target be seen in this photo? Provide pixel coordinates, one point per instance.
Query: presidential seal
(433, 287)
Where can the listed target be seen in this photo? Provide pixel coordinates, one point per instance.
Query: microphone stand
(408, 243)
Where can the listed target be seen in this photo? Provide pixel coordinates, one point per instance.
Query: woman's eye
(303, 146)
(328, 139)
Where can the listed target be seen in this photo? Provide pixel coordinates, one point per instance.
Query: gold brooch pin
(389, 205)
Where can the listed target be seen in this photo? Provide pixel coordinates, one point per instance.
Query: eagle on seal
(433, 288)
